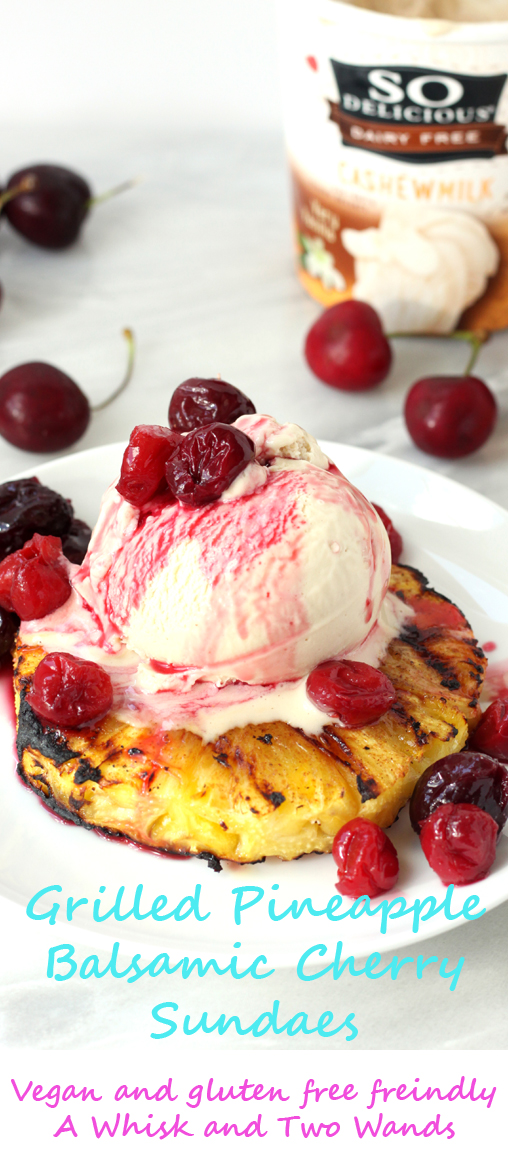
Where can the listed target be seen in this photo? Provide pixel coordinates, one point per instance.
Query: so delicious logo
(418, 116)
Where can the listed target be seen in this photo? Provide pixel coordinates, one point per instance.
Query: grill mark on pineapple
(242, 761)
(149, 778)
(332, 744)
(367, 788)
(479, 652)
(49, 800)
(421, 736)
(415, 639)
(323, 743)
(222, 745)
(477, 672)
(87, 773)
(422, 580)
(276, 798)
(47, 740)
(67, 815)
(331, 732)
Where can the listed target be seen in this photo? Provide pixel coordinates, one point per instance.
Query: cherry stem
(475, 339)
(125, 187)
(27, 184)
(131, 352)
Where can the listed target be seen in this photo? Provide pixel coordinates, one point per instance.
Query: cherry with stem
(450, 416)
(43, 410)
(48, 204)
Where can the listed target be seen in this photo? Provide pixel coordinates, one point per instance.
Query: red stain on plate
(496, 682)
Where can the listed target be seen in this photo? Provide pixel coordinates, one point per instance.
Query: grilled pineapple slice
(271, 789)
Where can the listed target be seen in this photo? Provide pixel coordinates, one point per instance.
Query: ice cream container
(396, 116)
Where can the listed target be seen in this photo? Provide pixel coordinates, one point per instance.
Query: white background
(200, 63)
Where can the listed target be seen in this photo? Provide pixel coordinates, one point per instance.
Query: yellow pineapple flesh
(268, 789)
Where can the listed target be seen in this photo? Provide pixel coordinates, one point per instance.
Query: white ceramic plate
(460, 541)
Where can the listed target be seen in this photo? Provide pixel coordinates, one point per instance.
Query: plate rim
(366, 452)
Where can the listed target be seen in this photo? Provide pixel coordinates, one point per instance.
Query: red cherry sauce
(7, 709)
(496, 682)
(169, 668)
(431, 614)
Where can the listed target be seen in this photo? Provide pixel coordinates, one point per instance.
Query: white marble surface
(197, 259)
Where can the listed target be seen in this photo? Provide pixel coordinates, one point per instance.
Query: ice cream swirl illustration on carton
(421, 268)
(469, 10)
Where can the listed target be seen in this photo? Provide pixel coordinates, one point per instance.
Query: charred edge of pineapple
(62, 812)
(31, 733)
(423, 588)
(51, 743)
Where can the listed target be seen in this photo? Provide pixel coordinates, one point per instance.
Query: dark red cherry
(463, 777)
(34, 581)
(347, 347)
(459, 843)
(27, 507)
(144, 462)
(352, 692)
(491, 734)
(52, 212)
(206, 462)
(8, 628)
(199, 402)
(70, 692)
(366, 859)
(394, 536)
(75, 542)
(450, 415)
(41, 408)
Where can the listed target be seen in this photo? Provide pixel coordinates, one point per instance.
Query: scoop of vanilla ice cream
(421, 268)
(257, 587)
